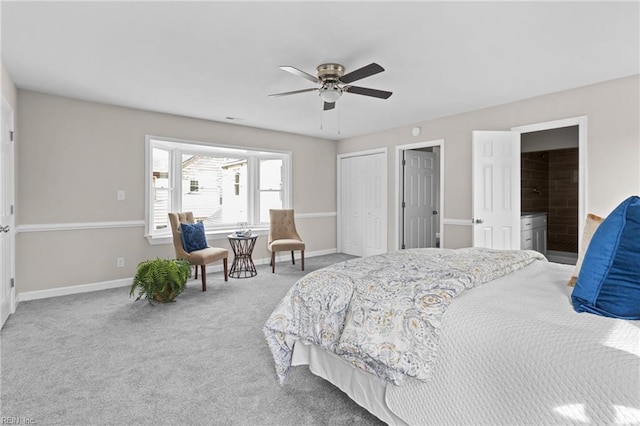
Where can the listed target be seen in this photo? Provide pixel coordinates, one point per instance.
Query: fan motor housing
(328, 72)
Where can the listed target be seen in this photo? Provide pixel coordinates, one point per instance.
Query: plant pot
(163, 297)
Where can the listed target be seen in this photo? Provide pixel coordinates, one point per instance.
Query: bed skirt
(365, 389)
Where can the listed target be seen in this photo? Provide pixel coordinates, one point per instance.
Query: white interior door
(496, 189)
(419, 199)
(363, 204)
(7, 228)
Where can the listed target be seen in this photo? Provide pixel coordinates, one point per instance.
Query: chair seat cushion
(207, 255)
(286, 244)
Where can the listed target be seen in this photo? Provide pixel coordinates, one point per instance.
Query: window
(221, 185)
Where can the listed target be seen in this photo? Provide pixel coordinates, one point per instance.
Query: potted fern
(161, 280)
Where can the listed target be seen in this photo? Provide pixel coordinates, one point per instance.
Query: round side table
(242, 266)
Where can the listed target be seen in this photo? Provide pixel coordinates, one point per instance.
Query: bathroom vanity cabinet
(533, 231)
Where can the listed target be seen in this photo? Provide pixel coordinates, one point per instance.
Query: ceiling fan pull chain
(338, 108)
(321, 113)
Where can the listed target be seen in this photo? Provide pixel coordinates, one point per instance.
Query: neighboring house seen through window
(221, 185)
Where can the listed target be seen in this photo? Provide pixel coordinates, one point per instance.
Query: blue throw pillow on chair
(193, 237)
(609, 280)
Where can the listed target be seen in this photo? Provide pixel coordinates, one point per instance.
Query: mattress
(511, 352)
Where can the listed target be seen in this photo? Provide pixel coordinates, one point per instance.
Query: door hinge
(404, 162)
(404, 204)
(403, 247)
(13, 284)
(11, 135)
(11, 209)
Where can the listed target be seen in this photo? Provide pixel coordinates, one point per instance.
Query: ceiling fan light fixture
(330, 93)
(334, 82)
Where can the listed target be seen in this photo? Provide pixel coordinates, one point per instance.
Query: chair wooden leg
(196, 267)
(293, 259)
(226, 273)
(273, 262)
(204, 277)
(302, 258)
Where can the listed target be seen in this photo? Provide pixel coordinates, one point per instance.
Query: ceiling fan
(334, 82)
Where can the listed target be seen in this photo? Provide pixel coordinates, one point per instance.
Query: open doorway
(549, 187)
(491, 225)
(419, 177)
(561, 140)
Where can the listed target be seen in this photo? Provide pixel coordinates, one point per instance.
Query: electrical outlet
(120, 195)
(120, 262)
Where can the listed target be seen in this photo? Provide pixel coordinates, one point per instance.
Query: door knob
(4, 228)
(478, 221)
(434, 212)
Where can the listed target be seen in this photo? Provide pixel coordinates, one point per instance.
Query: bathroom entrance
(550, 182)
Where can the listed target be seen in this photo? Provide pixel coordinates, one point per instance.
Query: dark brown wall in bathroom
(534, 181)
(548, 185)
(563, 198)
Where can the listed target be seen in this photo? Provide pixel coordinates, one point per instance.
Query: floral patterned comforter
(382, 313)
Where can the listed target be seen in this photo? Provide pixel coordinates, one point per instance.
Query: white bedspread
(514, 352)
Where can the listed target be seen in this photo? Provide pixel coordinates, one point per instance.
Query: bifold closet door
(363, 204)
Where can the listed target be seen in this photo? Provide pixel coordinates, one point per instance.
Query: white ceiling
(215, 60)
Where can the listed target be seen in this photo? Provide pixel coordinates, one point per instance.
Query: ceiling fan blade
(300, 73)
(367, 92)
(329, 105)
(294, 92)
(360, 73)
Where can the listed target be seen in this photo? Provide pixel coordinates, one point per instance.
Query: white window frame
(181, 146)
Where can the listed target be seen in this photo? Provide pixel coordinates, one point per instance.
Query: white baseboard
(125, 282)
(284, 255)
(74, 289)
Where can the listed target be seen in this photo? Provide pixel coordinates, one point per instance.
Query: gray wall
(74, 156)
(613, 146)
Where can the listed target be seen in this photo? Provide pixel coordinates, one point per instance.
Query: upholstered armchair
(283, 236)
(201, 257)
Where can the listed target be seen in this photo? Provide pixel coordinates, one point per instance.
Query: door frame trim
(581, 122)
(398, 202)
(339, 191)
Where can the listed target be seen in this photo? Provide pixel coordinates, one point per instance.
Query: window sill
(218, 234)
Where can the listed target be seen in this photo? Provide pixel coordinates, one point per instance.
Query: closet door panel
(363, 204)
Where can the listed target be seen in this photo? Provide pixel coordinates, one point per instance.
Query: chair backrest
(282, 225)
(175, 219)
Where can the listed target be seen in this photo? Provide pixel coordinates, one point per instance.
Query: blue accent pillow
(609, 280)
(193, 237)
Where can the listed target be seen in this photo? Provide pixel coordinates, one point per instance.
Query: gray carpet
(100, 358)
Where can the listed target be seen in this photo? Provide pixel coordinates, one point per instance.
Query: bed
(466, 336)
